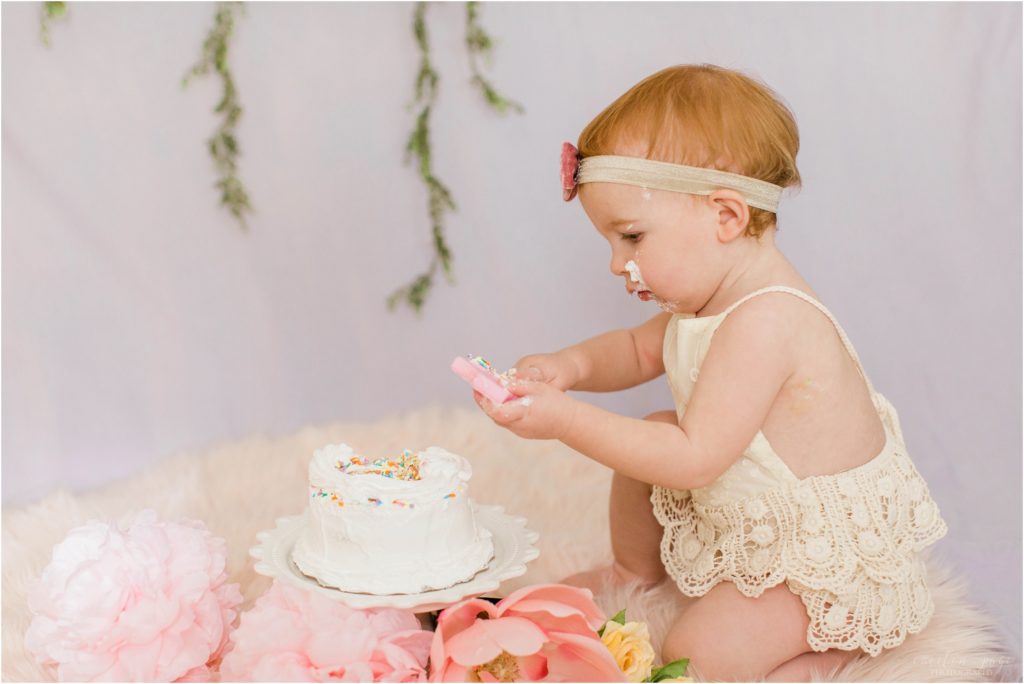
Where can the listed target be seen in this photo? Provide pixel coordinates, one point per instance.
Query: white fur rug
(240, 488)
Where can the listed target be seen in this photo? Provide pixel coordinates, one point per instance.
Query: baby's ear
(733, 213)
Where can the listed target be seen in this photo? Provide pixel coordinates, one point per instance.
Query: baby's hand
(556, 370)
(541, 412)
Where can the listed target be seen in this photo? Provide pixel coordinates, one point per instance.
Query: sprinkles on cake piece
(505, 378)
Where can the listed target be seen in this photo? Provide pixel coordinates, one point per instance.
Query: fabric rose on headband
(570, 170)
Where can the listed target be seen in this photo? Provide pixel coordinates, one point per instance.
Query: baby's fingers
(528, 373)
(503, 414)
(509, 412)
(483, 402)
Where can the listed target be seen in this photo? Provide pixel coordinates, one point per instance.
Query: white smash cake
(390, 526)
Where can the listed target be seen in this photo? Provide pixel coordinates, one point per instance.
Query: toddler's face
(670, 236)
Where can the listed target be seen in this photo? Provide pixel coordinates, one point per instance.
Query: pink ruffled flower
(543, 633)
(149, 603)
(570, 170)
(293, 635)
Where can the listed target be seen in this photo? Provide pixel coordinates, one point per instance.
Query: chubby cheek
(664, 272)
(681, 281)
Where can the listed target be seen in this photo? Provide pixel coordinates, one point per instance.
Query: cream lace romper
(845, 543)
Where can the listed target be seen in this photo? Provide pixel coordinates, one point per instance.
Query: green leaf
(619, 617)
(677, 668)
(418, 145)
(223, 145)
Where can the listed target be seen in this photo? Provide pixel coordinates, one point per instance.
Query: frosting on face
(634, 274)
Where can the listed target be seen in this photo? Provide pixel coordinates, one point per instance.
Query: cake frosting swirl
(390, 525)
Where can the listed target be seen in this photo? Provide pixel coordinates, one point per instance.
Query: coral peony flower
(570, 170)
(295, 635)
(539, 633)
(146, 603)
(630, 645)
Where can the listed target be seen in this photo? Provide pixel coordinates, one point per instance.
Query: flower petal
(581, 659)
(472, 646)
(552, 616)
(449, 671)
(415, 642)
(454, 619)
(558, 600)
(486, 639)
(518, 636)
(532, 668)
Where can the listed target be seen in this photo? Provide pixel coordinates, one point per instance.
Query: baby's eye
(632, 237)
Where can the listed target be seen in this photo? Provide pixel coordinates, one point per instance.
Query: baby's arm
(746, 366)
(618, 359)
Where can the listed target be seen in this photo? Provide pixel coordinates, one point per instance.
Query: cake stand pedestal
(513, 549)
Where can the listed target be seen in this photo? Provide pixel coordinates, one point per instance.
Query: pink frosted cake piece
(483, 378)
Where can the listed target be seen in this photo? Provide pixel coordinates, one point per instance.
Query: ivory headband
(661, 176)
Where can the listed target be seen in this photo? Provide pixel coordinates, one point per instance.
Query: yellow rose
(677, 679)
(630, 645)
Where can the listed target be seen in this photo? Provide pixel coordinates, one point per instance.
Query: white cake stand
(513, 549)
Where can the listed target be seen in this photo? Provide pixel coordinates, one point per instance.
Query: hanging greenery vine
(223, 145)
(51, 11)
(418, 145)
(414, 294)
(479, 43)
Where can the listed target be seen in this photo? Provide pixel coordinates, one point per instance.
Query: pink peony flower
(149, 603)
(570, 170)
(294, 635)
(541, 633)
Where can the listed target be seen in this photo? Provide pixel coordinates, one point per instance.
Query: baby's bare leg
(636, 533)
(728, 636)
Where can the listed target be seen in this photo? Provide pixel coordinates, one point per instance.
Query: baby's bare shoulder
(788, 330)
(781, 326)
(775, 314)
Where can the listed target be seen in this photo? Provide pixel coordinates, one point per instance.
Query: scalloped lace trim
(845, 543)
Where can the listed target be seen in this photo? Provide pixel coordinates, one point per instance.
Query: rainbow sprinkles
(405, 467)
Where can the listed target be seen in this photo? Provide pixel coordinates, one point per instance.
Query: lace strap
(811, 300)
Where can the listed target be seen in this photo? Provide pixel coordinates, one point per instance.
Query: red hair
(708, 116)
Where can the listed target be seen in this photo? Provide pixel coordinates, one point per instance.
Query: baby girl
(779, 490)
